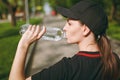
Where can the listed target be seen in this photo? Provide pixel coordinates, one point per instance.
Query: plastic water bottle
(52, 33)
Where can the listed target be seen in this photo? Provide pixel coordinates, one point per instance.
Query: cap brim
(66, 12)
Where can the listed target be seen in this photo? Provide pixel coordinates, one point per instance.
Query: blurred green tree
(11, 6)
(3, 10)
(112, 7)
(65, 3)
(115, 10)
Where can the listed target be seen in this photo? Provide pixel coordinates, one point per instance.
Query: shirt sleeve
(55, 72)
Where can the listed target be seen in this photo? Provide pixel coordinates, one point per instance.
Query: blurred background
(14, 13)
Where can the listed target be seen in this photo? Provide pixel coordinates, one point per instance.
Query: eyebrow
(68, 19)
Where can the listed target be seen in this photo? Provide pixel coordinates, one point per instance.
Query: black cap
(88, 12)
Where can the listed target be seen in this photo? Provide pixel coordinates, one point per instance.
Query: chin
(71, 42)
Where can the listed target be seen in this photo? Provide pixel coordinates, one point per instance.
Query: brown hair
(110, 65)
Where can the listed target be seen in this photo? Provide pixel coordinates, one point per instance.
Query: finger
(42, 32)
(29, 27)
(33, 28)
(37, 31)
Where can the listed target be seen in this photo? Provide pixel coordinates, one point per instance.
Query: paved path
(43, 54)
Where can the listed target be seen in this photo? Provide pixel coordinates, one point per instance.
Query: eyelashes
(69, 23)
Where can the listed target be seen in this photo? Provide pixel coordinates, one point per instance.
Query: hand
(32, 34)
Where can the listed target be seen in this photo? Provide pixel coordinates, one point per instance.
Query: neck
(88, 44)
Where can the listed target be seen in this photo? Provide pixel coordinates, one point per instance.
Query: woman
(86, 26)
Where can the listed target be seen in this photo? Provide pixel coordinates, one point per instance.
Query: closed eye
(69, 23)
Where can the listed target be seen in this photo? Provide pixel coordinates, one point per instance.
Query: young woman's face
(73, 29)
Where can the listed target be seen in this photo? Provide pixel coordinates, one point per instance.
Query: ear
(86, 30)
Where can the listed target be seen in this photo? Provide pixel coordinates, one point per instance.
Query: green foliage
(64, 3)
(114, 30)
(7, 48)
(36, 5)
(13, 2)
(3, 9)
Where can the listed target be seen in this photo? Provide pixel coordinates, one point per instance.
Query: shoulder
(63, 62)
(70, 59)
(67, 61)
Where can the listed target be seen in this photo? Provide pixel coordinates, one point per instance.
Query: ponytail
(110, 65)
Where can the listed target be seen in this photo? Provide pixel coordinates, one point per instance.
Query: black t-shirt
(82, 66)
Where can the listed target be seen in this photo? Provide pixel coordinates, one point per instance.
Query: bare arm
(32, 34)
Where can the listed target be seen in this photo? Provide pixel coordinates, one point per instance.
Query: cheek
(74, 36)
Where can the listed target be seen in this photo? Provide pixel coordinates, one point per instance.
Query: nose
(64, 28)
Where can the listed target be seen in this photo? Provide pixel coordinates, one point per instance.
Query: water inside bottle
(54, 34)
(23, 28)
